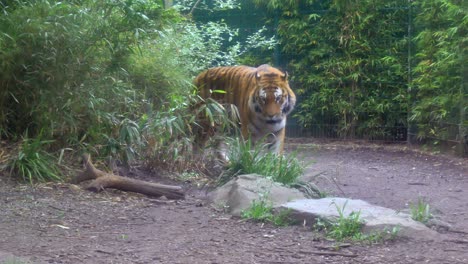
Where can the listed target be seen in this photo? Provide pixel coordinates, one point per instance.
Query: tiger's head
(272, 98)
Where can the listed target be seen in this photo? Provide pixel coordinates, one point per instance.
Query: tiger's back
(262, 96)
(233, 81)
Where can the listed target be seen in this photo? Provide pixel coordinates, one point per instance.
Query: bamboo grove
(367, 65)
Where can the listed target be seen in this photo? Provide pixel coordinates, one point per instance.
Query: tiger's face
(272, 99)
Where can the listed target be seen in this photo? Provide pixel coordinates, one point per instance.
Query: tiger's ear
(284, 76)
(257, 75)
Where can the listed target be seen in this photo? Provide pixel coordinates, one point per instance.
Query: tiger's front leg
(277, 144)
(274, 142)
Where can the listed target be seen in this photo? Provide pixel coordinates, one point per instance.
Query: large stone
(375, 218)
(239, 193)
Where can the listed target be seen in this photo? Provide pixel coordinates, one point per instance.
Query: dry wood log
(102, 180)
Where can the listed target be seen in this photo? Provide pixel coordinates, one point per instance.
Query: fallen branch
(102, 180)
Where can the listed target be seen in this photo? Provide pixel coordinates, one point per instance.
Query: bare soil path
(60, 223)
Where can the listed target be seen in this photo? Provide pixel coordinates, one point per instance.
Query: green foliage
(420, 211)
(348, 62)
(439, 82)
(346, 226)
(245, 158)
(349, 227)
(188, 6)
(366, 66)
(32, 164)
(104, 75)
(262, 211)
(258, 211)
(167, 132)
(67, 70)
(171, 132)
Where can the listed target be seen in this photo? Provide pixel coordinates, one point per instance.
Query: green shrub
(65, 71)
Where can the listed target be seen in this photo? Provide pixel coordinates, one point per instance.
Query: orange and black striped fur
(262, 96)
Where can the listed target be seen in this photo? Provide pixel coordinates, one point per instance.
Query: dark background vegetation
(114, 78)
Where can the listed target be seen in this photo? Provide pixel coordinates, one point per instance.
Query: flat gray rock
(376, 218)
(239, 193)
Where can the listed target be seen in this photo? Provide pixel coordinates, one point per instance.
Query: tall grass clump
(32, 164)
(246, 158)
(344, 227)
(262, 211)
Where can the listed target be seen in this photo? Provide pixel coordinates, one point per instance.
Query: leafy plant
(245, 158)
(262, 211)
(68, 70)
(172, 132)
(420, 211)
(32, 164)
(439, 85)
(347, 61)
(109, 77)
(346, 226)
(259, 210)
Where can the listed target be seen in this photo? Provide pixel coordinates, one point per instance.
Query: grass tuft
(262, 211)
(346, 226)
(420, 211)
(245, 158)
(33, 164)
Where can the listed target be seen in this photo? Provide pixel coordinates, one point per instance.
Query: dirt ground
(61, 223)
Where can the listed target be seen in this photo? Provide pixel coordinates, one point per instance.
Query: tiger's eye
(258, 109)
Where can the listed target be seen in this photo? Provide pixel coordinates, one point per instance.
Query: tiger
(262, 96)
